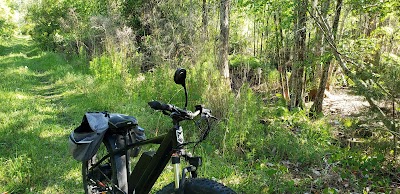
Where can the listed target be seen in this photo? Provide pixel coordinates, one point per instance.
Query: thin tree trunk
(284, 55)
(317, 105)
(205, 20)
(280, 58)
(341, 27)
(278, 54)
(319, 48)
(254, 36)
(394, 129)
(297, 87)
(224, 33)
(262, 32)
(267, 35)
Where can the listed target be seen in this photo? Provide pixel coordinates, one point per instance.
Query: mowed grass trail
(37, 113)
(43, 97)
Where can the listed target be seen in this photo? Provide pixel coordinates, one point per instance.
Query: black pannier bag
(85, 140)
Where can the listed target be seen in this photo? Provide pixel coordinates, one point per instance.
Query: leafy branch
(343, 60)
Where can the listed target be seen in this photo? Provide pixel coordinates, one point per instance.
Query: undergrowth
(258, 146)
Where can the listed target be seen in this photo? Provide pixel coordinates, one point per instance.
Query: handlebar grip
(155, 105)
(159, 106)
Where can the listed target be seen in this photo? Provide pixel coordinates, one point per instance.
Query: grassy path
(42, 99)
(35, 120)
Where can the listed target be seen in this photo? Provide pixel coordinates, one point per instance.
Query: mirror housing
(180, 78)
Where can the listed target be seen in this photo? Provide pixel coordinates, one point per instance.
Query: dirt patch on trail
(341, 102)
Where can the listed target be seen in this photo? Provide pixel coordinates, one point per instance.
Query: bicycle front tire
(199, 186)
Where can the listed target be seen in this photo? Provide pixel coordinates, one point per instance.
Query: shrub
(6, 25)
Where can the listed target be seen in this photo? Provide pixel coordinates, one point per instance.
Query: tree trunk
(263, 32)
(342, 27)
(254, 35)
(224, 33)
(280, 58)
(191, 28)
(319, 48)
(317, 105)
(297, 85)
(364, 85)
(205, 20)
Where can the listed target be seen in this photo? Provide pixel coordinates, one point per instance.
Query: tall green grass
(34, 125)
(44, 96)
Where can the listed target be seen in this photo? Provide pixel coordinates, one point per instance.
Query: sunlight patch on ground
(15, 99)
(48, 110)
(71, 78)
(51, 132)
(20, 96)
(16, 114)
(16, 171)
(234, 179)
(344, 103)
(22, 70)
(54, 189)
(16, 55)
(74, 176)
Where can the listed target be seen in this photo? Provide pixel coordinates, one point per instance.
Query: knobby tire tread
(199, 186)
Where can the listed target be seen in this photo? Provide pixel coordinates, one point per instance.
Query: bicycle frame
(150, 166)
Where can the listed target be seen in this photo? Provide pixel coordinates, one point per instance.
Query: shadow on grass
(35, 162)
(42, 99)
(19, 45)
(36, 121)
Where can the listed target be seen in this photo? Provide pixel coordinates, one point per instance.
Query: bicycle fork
(177, 168)
(176, 160)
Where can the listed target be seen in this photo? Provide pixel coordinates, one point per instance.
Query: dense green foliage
(7, 26)
(118, 55)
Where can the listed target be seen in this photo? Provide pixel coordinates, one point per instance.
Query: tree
(204, 20)
(6, 25)
(224, 40)
(317, 105)
(297, 77)
(363, 78)
(282, 68)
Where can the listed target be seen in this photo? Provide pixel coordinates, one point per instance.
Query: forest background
(263, 67)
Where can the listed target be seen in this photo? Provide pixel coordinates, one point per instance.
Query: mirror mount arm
(186, 96)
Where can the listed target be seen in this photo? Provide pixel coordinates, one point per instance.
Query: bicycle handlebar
(158, 106)
(184, 114)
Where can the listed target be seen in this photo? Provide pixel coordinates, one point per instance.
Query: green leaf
(271, 172)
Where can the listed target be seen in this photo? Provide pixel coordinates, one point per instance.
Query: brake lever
(215, 118)
(208, 115)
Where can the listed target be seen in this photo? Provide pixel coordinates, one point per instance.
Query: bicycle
(106, 142)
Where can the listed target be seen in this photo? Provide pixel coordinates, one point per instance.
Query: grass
(44, 96)
(33, 126)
